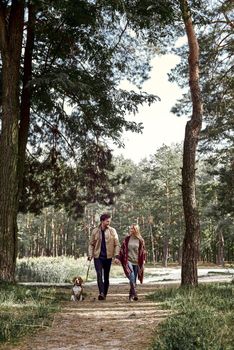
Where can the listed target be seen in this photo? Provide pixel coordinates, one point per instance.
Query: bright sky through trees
(160, 125)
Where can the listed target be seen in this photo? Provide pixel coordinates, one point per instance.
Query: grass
(23, 310)
(202, 320)
(52, 270)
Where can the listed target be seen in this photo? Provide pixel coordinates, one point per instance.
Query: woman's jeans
(102, 267)
(134, 273)
(132, 278)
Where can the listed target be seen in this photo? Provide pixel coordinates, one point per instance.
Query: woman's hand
(117, 261)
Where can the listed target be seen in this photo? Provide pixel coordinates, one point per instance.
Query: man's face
(106, 223)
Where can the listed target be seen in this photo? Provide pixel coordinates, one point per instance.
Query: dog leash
(87, 274)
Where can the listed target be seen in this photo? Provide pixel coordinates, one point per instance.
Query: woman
(132, 256)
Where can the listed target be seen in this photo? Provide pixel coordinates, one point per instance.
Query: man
(103, 246)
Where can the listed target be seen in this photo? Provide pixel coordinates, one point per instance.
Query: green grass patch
(24, 309)
(203, 318)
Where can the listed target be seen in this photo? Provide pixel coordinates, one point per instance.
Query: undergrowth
(202, 319)
(24, 309)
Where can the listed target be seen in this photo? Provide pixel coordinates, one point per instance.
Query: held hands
(116, 261)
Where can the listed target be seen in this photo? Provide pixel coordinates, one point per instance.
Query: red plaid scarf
(123, 257)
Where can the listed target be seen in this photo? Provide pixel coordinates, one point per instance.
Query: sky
(160, 125)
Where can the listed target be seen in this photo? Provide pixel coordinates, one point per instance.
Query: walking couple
(104, 246)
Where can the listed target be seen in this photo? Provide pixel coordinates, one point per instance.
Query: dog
(77, 289)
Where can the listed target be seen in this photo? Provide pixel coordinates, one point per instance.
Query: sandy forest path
(113, 324)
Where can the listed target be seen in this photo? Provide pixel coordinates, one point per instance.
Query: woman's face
(132, 230)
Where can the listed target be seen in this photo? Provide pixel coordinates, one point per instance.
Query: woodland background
(149, 193)
(62, 107)
(61, 67)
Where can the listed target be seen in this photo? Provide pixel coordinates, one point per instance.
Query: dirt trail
(113, 324)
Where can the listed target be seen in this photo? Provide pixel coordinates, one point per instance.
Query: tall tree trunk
(180, 254)
(165, 251)
(152, 245)
(53, 236)
(26, 94)
(44, 235)
(11, 34)
(220, 243)
(150, 223)
(168, 225)
(192, 132)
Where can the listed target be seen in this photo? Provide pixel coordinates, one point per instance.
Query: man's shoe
(135, 298)
(101, 297)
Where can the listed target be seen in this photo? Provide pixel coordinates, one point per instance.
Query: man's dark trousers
(102, 267)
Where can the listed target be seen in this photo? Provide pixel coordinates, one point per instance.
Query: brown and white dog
(77, 289)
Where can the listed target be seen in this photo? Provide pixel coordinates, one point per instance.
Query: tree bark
(165, 251)
(192, 132)
(11, 35)
(26, 94)
(15, 124)
(152, 244)
(220, 253)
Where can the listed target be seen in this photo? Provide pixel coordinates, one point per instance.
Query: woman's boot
(135, 297)
(132, 292)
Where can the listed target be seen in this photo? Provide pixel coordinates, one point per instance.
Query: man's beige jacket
(112, 243)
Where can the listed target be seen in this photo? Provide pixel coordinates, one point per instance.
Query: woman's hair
(137, 231)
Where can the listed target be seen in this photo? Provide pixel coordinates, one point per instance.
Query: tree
(166, 209)
(215, 195)
(151, 196)
(192, 133)
(173, 12)
(64, 56)
(214, 31)
(11, 30)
